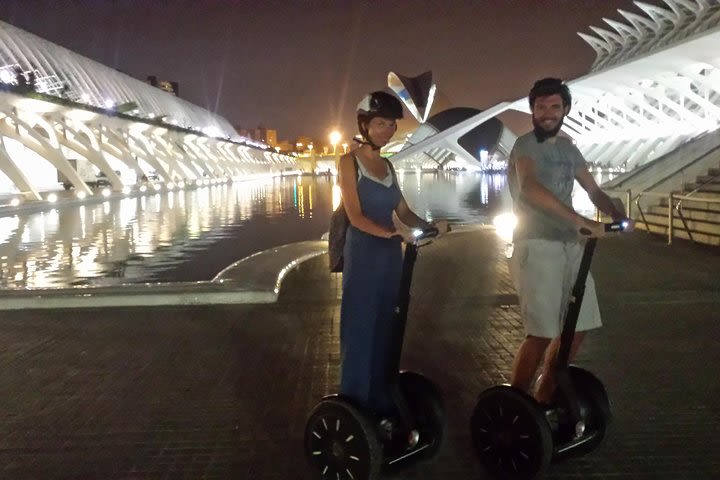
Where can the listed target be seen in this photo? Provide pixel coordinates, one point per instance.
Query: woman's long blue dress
(371, 280)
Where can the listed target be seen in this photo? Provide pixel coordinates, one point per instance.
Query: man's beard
(541, 133)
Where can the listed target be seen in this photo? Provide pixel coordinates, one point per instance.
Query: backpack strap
(355, 162)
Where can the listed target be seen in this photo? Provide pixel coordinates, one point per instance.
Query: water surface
(191, 235)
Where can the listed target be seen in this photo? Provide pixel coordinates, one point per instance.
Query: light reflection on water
(192, 235)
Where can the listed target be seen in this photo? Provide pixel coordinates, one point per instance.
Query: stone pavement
(222, 391)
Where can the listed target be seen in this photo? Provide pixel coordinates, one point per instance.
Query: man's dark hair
(550, 86)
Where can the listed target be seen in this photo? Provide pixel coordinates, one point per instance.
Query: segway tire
(510, 434)
(594, 398)
(341, 442)
(425, 403)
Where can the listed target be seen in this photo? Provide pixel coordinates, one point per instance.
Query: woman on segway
(372, 255)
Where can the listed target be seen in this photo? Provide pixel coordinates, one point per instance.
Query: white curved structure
(654, 85)
(81, 113)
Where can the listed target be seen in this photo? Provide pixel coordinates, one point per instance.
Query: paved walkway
(222, 391)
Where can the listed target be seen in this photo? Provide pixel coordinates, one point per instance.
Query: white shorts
(544, 273)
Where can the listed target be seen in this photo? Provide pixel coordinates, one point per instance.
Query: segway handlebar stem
(420, 234)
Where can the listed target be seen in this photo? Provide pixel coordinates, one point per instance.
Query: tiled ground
(223, 392)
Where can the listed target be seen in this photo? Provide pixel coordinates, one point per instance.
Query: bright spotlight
(52, 198)
(81, 194)
(15, 202)
(505, 225)
(106, 192)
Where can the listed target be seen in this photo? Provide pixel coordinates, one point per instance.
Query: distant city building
(165, 85)
(301, 143)
(285, 146)
(266, 135)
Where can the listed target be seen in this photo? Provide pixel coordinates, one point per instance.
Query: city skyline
(301, 68)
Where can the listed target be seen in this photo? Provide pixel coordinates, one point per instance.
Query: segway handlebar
(618, 226)
(420, 234)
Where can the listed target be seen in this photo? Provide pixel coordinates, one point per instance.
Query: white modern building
(655, 85)
(66, 119)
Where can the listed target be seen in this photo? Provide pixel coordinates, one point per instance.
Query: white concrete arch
(14, 127)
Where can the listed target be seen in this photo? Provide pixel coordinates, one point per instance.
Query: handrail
(703, 184)
(672, 205)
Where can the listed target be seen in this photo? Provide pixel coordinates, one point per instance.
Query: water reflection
(192, 235)
(459, 197)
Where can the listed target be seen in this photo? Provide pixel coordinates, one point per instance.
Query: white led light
(504, 225)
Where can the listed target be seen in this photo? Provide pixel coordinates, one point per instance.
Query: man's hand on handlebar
(591, 229)
(628, 224)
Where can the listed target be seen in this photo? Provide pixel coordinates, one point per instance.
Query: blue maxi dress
(371, 280)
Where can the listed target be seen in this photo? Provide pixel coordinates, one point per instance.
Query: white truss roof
(654, 85)
(95, 84)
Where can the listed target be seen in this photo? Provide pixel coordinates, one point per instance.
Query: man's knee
(538, 342)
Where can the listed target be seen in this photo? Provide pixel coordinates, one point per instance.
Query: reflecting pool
(193, 234)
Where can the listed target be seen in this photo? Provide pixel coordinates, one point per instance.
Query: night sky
(301, 66)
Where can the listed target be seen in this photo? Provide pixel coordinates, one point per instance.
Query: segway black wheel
(510, 434)
(594, 405)
(426, 405)
(342, 443)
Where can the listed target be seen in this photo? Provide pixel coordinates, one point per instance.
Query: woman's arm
(348, 189)
(408, 217)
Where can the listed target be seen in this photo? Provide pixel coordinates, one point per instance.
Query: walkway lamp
(335, 137)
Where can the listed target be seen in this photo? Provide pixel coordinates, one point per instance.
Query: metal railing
(674, 202)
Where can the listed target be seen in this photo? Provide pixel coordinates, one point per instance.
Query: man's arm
(597, 196)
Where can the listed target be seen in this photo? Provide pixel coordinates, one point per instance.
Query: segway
(515, 437)
(344, 442)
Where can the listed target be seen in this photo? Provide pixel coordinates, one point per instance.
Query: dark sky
(302, 66)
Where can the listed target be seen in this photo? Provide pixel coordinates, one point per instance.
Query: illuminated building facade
(655, 85)
(60, 111)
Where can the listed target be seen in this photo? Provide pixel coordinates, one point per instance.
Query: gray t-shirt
(555, 165)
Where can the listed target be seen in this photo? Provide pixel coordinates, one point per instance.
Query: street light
(335, 137)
